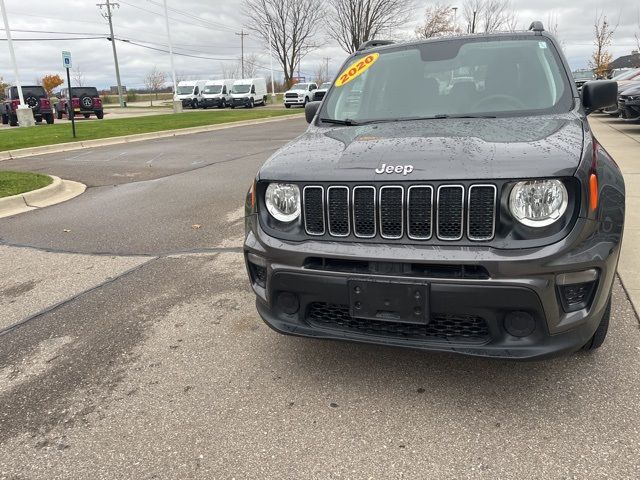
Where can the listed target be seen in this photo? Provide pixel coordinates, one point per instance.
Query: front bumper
(630, 109)
(465, 315)
(294, 101)
(241, 102)
(211, 102)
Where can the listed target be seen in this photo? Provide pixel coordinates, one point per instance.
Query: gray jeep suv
(448, 195)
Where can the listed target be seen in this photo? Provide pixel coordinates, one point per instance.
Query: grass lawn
(14, 138)
(13, 183)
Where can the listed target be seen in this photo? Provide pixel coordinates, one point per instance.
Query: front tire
(59, 114)
(251, 103)
(100, 114)
(49, 118)
(86, 115)
(598, 338)
(13, 120)
(5, 119)
(287, 105)
(194, 104)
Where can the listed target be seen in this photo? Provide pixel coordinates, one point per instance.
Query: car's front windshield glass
(213, 89)
(300, 86)
(240, 89)
(501, 76)
(185, 90)
(626, 74)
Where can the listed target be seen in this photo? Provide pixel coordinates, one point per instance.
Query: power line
(53, 39)
(190, 15)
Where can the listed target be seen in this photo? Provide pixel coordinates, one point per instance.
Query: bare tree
(78, 76)
(321, 74)
(233, 69)
(601, 57)
(154, 81)
(438, 21)
(230, 69)
(353, 22)
(290, 25)
(489, 15)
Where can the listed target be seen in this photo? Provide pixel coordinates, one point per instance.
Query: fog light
(519, 324)
(288, 302)
(576, 289)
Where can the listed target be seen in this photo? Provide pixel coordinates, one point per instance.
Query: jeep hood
(442, 149)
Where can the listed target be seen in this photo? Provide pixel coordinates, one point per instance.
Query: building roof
(626, 61)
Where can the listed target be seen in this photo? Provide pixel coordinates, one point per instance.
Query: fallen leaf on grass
(196, 226)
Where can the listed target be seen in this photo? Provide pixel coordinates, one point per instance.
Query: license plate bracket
(389, 301)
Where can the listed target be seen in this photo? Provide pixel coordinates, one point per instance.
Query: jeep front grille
(392, 212)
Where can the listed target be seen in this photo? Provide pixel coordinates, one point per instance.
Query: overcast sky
(214, 36)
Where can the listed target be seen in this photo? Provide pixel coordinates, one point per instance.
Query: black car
(321, 91)
(480, 216)
(35, 97)
(629, 104)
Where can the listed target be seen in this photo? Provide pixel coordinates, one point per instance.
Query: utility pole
(473, 23)
(24, 113)
(177, 104)
(242, 35)
(108, 15)
(326, 67)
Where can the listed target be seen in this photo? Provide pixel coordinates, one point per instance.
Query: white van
(190, 92)
(216, 93)
(249, 92)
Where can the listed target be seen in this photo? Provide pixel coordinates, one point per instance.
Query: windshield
(82, 91)
(240, 89)
(504, 76)
(185, 90)
(626, 74)
(300, 86)
(213, 89)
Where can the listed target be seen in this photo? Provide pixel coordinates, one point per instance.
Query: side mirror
(599, 94)
(310, 110)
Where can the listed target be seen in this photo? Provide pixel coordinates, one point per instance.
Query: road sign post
(67, 64)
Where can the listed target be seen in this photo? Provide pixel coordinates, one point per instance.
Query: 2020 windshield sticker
(356, 68)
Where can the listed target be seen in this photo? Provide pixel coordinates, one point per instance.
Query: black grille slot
(313, 210)
(364, 212)
(481, 214)
(391, 212)
(338, 211)
(450, 210)
(419, 212)
(291, 95)
(442, 326)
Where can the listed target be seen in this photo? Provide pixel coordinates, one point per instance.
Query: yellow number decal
(356, 68)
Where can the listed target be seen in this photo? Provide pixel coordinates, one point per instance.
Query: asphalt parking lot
(130, 348)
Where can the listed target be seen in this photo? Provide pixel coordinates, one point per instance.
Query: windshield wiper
(346, 121)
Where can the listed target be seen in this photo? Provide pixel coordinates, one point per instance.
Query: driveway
(130, 348)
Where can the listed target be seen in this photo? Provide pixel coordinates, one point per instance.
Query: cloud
(207, 29)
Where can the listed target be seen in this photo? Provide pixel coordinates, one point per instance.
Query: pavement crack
(68, 300)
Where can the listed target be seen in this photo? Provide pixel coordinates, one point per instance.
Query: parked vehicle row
(628, 105)
(224, 93)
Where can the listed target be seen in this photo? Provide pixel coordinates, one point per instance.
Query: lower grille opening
(576, 296)
(258, 274)
(467, 272)
(441, 327)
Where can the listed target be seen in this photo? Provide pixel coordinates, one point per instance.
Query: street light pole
(25, 118)
(177, 105)
(108, 16)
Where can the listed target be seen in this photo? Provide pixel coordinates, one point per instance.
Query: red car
(36, 99)
(85, 101)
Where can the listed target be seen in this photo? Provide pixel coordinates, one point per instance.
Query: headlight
(283, 201)
(538, 203)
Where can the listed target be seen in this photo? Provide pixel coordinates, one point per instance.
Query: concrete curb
(57, 192)
(103, 142)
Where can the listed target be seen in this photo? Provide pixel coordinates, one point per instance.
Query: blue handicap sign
(66, 59)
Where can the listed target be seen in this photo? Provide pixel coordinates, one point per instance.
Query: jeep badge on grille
(403, 169)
